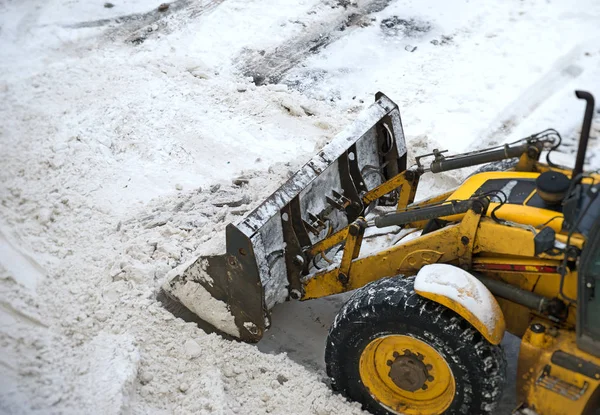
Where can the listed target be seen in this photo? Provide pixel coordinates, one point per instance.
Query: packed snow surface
(130, 137)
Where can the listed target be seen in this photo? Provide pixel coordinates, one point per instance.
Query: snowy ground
(121, 126)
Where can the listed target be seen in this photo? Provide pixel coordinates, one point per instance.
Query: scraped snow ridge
(130, 138)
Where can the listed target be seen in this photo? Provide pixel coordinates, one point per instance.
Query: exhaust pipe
(585, 131)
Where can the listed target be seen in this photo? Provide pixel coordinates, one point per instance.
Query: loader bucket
(265, 254)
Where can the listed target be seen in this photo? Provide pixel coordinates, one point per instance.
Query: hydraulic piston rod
(467, 160)
(430, 212)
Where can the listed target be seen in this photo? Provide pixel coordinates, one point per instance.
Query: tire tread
(394, 296)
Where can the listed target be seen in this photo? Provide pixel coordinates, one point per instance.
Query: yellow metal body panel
(516, 317)
(518, 213)
(549, 388)
(505, 252)
(545, 284)
(528, 215)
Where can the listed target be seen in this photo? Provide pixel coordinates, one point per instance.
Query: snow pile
(132, 136)
(104, 342)
(124, 163)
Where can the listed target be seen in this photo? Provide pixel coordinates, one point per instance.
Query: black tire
(391, 306)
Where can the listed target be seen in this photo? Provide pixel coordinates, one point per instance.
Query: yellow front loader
(516, 247)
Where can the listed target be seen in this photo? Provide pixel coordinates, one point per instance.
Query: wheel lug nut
(396, 354)
(430, 378)
(389, 362)
(429, 367)
(424, 387)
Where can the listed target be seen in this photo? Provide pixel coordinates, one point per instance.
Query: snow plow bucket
(265, 256)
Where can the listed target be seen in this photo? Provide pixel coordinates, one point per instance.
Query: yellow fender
(461, 292)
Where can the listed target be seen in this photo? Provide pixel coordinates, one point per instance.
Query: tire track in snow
(564, 70)
(8, 310)
(19, 275)
(137, 27)
(18, 263)
(142, 18)
(269, 67)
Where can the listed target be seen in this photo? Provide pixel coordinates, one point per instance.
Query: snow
(203, 304)
(461, 287)
(196, 273)
(17, 261)
(108, 364)
(122, 138)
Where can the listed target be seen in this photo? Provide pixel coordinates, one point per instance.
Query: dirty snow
(131, 137)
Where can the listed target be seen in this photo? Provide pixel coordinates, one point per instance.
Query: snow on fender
(464, 294)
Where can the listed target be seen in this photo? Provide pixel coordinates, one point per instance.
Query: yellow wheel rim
(406, 375)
